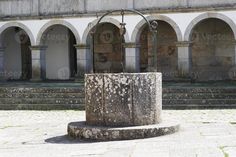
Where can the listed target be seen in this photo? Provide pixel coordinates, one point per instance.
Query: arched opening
(167, 61)
(17, 54)
(108, 55)
(213, 51)
(60, 53)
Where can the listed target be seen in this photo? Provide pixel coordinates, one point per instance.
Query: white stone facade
(47, 61)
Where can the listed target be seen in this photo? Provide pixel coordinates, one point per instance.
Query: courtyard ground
(204, 133)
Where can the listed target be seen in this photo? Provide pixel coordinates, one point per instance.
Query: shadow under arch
(204, 16)
(139, 27)
(19, 25)
(57, 22)
(92, 24)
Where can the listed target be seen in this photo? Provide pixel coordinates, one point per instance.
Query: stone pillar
(2, 49)
(132, 61)
(184, 58)
(84, 64)
(38, 63)
(234, 61)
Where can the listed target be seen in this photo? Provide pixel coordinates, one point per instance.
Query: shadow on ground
(65, 139)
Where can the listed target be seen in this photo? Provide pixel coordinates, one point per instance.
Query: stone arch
(104, 20)
(212, 47)
(58, 22)
(204, 16)
(138, 28)
(20, 25)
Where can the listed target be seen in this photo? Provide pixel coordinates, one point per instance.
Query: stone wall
(166, 50)
(56, 40)
(212, 50)
(13, 63)
(108, 56)
(29, 8)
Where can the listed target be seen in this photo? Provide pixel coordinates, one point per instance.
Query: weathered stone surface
(123, 99)
(94, 95)
(107, 49)
(147, 97)
(54, 96)
(118, 104)
(84, 132)
(12, 8)
(167, 56)
(199, 96)
(213, 52)
(41, 96)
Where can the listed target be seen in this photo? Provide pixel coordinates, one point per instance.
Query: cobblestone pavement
(204, 133)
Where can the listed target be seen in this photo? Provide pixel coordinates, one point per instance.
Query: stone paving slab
(204, 133)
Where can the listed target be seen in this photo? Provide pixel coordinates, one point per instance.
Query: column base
(36, 80)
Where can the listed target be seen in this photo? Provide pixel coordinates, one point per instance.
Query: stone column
(38, 63)
(132, 61)
(232, 70)
(184, 58)
(84, 64)
(2, 49)
(234, 61)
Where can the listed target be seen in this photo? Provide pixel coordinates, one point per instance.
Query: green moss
(223, 151)
(9, 126)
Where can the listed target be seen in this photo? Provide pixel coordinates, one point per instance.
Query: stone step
(197, 106)
(200, 90)
(42, 95)
(42, 106)
(42, 90)
(71, 96)
(41, 101)
(199, 102)
(199, 95)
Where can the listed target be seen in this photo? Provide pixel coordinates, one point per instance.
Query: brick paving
(204, 133)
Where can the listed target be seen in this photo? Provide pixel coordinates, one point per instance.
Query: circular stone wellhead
(123, 104)
(123, 99)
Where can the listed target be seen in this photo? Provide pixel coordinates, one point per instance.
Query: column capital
(184, 43)
(131, 45)
(38, 47)
(82, 46)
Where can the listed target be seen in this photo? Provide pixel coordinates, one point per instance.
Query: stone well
(123, 99)
(122, 106)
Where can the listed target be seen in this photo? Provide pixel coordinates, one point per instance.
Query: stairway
(41, 96)
(63, 96)
(199, 96)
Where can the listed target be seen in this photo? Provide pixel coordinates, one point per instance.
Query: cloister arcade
(198, 46)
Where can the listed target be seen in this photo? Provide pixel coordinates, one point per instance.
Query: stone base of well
(122, 106)
(81, 131)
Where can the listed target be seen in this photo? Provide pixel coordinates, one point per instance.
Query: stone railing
(48, 8)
